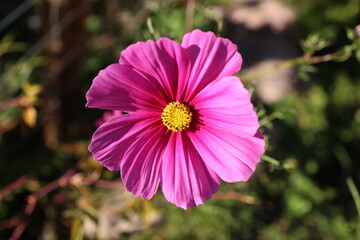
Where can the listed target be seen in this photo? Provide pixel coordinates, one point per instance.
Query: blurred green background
(307, 185)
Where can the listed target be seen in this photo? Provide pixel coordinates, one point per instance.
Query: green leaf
(350, 34)
(314, 42)
(77, 229)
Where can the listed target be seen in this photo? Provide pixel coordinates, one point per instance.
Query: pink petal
(112, 139)
(122, 88)
(225, 104)
(186, 180)
(211, 57)
(232, 157)
(141, 165)
(164, 60)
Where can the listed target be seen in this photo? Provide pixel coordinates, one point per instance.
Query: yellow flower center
(176, 116)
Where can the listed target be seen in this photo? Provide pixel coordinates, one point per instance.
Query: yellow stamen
(176, 116)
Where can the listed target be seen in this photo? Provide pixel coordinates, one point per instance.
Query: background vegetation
(306, 187)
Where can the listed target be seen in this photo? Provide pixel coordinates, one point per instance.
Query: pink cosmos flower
(106, 117)
(190, 121)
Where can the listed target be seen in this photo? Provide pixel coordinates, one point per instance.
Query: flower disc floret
(176, 116)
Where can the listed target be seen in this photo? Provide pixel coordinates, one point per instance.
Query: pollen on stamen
(177, 116)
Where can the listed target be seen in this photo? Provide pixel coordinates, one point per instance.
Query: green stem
(270, 160)
(150, 27)
(305, 59)
(355, 194)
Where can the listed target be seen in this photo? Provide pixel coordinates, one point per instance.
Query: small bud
(357, 31)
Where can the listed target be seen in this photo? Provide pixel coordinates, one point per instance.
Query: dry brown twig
(34, 197)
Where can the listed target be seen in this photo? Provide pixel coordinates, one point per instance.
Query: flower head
(190, 121)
